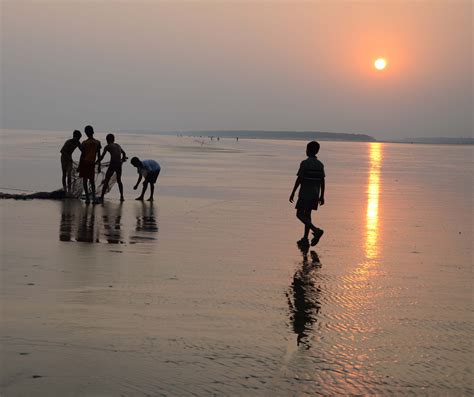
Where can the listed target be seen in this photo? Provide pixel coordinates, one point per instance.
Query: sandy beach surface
(204, 292)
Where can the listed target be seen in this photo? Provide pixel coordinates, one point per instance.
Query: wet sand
(204, 291)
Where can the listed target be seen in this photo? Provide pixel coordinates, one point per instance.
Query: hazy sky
(274, 65)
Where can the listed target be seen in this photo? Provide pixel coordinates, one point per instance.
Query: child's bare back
(115, 153)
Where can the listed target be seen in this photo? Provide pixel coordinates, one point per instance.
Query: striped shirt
(312, 173)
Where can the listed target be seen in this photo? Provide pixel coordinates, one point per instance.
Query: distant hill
(308, 135)
(439, 140)
(296, 135)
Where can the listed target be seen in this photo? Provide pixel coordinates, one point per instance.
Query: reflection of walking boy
(311, 179)
(90, 151)
(306, 302)
(149, 170)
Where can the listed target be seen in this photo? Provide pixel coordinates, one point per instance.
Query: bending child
(148, 169)
(311, 179)
(117, 157)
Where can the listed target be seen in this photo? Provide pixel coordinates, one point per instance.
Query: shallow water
(205, 292)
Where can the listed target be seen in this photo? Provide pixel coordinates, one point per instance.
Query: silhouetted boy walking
(311, 179)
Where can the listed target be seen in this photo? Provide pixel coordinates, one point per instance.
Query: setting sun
(380, 64)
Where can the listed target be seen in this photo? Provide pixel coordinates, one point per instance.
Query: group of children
(310, 177)
(91, 157)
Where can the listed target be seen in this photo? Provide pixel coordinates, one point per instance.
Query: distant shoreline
(310, 135)
(280, 135)
(294, 135)
(433, 141)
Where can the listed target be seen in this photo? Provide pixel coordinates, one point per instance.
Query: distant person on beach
(117, 157)
(311, 180)
(66, 159)
(90, 151)
(149, 170)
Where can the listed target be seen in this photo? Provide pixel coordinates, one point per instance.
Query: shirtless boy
(117, 157)
(90, 151)
(66, 159)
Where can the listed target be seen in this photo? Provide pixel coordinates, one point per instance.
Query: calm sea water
(205, 291)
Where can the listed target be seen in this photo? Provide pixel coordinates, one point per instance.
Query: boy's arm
(99, 159)
(297, 183)
(138, 182)
(323, 188)
(124, 156)
(103, 155)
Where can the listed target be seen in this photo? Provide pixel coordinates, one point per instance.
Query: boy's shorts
(114, 167)
(152, 176)
(66, 163)
(306, 204)
(87, 170)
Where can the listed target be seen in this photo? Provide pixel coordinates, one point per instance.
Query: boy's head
(89, 131)
(76, 134)
(135, 161)
(110, 138)
(312, 148)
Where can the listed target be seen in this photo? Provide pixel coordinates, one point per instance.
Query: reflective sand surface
(205, 291)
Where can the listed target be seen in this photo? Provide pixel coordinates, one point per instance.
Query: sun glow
(380, 64)
(373, 192)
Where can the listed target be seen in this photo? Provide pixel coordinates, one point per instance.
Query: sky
(236, 65)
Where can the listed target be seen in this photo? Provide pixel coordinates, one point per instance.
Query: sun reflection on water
(373, 193)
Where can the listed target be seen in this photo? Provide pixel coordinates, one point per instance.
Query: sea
(205, 292)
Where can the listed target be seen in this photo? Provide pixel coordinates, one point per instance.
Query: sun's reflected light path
(373, 193)
(368, 268)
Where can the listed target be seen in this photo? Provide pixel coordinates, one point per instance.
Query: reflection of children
(117, 157)
(66, 158)
(311, 179)
(149, 170)
(90, 151)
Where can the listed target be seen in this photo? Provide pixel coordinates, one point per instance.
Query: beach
(204, 291)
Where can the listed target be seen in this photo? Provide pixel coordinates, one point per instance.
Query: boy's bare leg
(301, 215)
(86, 190)
(69, 181)
(92, 183)
(307, 215)
(305, 218)
(145, 185)
(306, 231)
(104, 188)
(152, 190)
(108, 175)
(307, 227)
(120, 185)
(317, 232)
(64, 181)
